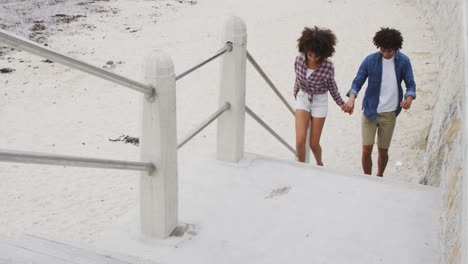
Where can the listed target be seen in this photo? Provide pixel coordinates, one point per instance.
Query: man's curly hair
(388, 38)
(317, 40)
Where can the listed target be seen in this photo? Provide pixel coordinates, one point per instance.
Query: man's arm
(410, 94)
(358, 82)
(360, 78)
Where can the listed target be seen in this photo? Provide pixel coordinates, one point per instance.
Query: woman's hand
(346, 109)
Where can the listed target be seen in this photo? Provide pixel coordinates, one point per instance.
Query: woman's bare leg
(302, 122)
(315, 134)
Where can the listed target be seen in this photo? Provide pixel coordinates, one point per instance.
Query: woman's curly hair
(388, 38)
(320, 41)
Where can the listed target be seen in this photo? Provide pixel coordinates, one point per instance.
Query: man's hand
(406, 104)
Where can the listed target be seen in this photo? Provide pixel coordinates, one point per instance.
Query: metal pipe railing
(269, 82)
(39, 50)
(61, 160)
(269, 129)
(213, 117)
(227, 47)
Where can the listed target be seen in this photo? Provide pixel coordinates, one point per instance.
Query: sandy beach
(46, 107)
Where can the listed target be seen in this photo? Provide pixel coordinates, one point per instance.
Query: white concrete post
(231, 124)
(158, 191)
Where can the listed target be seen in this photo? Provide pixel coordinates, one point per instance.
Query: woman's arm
(296, 82)
(296, 87)
(334, 91)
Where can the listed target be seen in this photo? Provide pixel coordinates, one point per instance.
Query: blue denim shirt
(371, 68)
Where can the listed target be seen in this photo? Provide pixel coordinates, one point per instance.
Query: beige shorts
(383, 125)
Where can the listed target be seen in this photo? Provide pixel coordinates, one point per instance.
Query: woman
(314, 79)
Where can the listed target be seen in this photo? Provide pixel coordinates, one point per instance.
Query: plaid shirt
(319, 82)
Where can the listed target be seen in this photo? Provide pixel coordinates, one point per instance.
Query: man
(383, 99)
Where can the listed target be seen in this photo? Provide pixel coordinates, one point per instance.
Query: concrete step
(31, 249)
(263, 210)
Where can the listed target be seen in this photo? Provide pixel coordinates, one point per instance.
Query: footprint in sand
(278, 191)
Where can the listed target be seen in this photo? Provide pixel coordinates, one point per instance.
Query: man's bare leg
(382, 161)
(367, 159)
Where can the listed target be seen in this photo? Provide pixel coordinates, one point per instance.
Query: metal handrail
(227, 47)
(269, 82)
(269, 129)
(34, 48)
(62, 160)
(213, 117)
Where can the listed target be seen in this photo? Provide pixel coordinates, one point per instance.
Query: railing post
(231, 125)
(159, 190)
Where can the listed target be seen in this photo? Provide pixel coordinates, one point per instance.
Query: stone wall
(445, 141)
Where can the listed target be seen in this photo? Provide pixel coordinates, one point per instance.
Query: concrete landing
(268, 211)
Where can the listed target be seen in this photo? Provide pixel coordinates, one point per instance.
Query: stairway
(263, 210)
(30, 249)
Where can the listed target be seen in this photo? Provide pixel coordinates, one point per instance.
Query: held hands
(345, 108)
(348, 107)
(406, 104)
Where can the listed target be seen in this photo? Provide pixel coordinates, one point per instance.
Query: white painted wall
(445, 153)
(464, 257)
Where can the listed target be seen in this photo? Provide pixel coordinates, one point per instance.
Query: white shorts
(318, 107)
